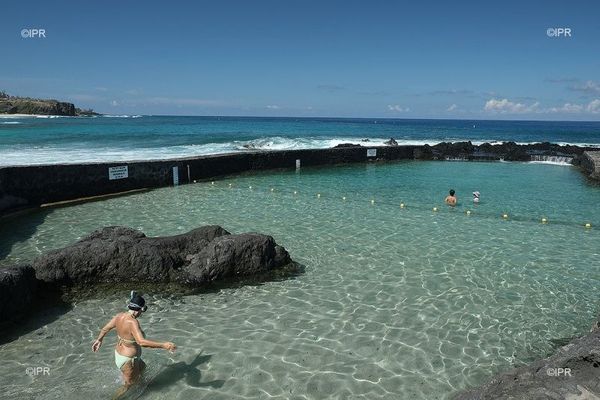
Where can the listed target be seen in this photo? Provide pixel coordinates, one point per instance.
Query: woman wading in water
(131, 339)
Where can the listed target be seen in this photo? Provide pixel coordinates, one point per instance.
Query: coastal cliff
(25, 105)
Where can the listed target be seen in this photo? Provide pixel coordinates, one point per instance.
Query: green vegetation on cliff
(26, 105)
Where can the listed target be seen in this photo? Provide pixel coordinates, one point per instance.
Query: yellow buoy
(318, 194)
(194, 181)
(588, 225)
(295, 192)
(505, 216)
(544, 220)
(231, 184)
(434, 208)
(344, 198)
(212, 183)
(401, 205)
(249, 187)
(372, 201)
(468, 212)
(272, 190)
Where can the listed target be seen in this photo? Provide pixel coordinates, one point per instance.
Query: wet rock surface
(201, 256)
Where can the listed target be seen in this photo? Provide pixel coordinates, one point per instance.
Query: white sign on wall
(175, 176)
(120, 172)
(298, 164)
(371, 152)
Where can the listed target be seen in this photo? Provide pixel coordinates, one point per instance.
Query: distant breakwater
(23, 187)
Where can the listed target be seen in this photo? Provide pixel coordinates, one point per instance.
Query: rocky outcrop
(33, 106)
(570, 373)
(391, 142)
(18, 288)
(199, 257)
(230, 256)
(120, 255)
(26, 105)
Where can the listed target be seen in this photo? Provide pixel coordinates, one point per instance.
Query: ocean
(395, 302)
(25, 141)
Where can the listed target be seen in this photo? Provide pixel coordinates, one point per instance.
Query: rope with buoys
(404, 206)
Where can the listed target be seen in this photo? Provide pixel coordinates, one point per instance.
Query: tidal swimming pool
(394, 303)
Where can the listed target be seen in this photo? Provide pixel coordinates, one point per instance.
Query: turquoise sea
(58, 140)
(395, 303)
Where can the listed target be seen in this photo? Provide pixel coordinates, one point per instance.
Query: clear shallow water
(25, 141)
(395, 303)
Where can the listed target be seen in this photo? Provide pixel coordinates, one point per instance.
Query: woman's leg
(138, 369)
(128, 379)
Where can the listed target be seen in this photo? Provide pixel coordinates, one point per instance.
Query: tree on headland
(4, 95)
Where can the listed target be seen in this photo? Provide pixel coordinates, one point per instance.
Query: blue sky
(397, 59)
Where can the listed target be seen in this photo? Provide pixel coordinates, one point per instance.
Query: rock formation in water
(118, 255)
(201, 256)
(572, 372)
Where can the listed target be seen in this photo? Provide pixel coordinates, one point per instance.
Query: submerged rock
(201, 256)
(571, 372)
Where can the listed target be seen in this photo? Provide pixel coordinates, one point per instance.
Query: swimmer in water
(130, 341)
(451, 198)
(476, 197)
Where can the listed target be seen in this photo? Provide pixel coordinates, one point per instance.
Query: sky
(395, 59)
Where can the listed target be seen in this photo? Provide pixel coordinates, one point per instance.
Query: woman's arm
(142, 341)
(107, 328)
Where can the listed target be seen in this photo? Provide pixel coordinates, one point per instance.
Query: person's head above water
(452, 192)
(137, 302)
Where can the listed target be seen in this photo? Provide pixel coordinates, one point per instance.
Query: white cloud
(452, 107)
(589, 87)
(114, 103)
(178, 101)
(273, 107)
(594, 106)
(567, 108)
(397, 108)
(505, 106)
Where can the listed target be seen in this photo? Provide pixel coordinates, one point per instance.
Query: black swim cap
(137, 302)
(452, 192)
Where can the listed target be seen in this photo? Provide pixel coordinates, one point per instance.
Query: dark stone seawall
(31, 186)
